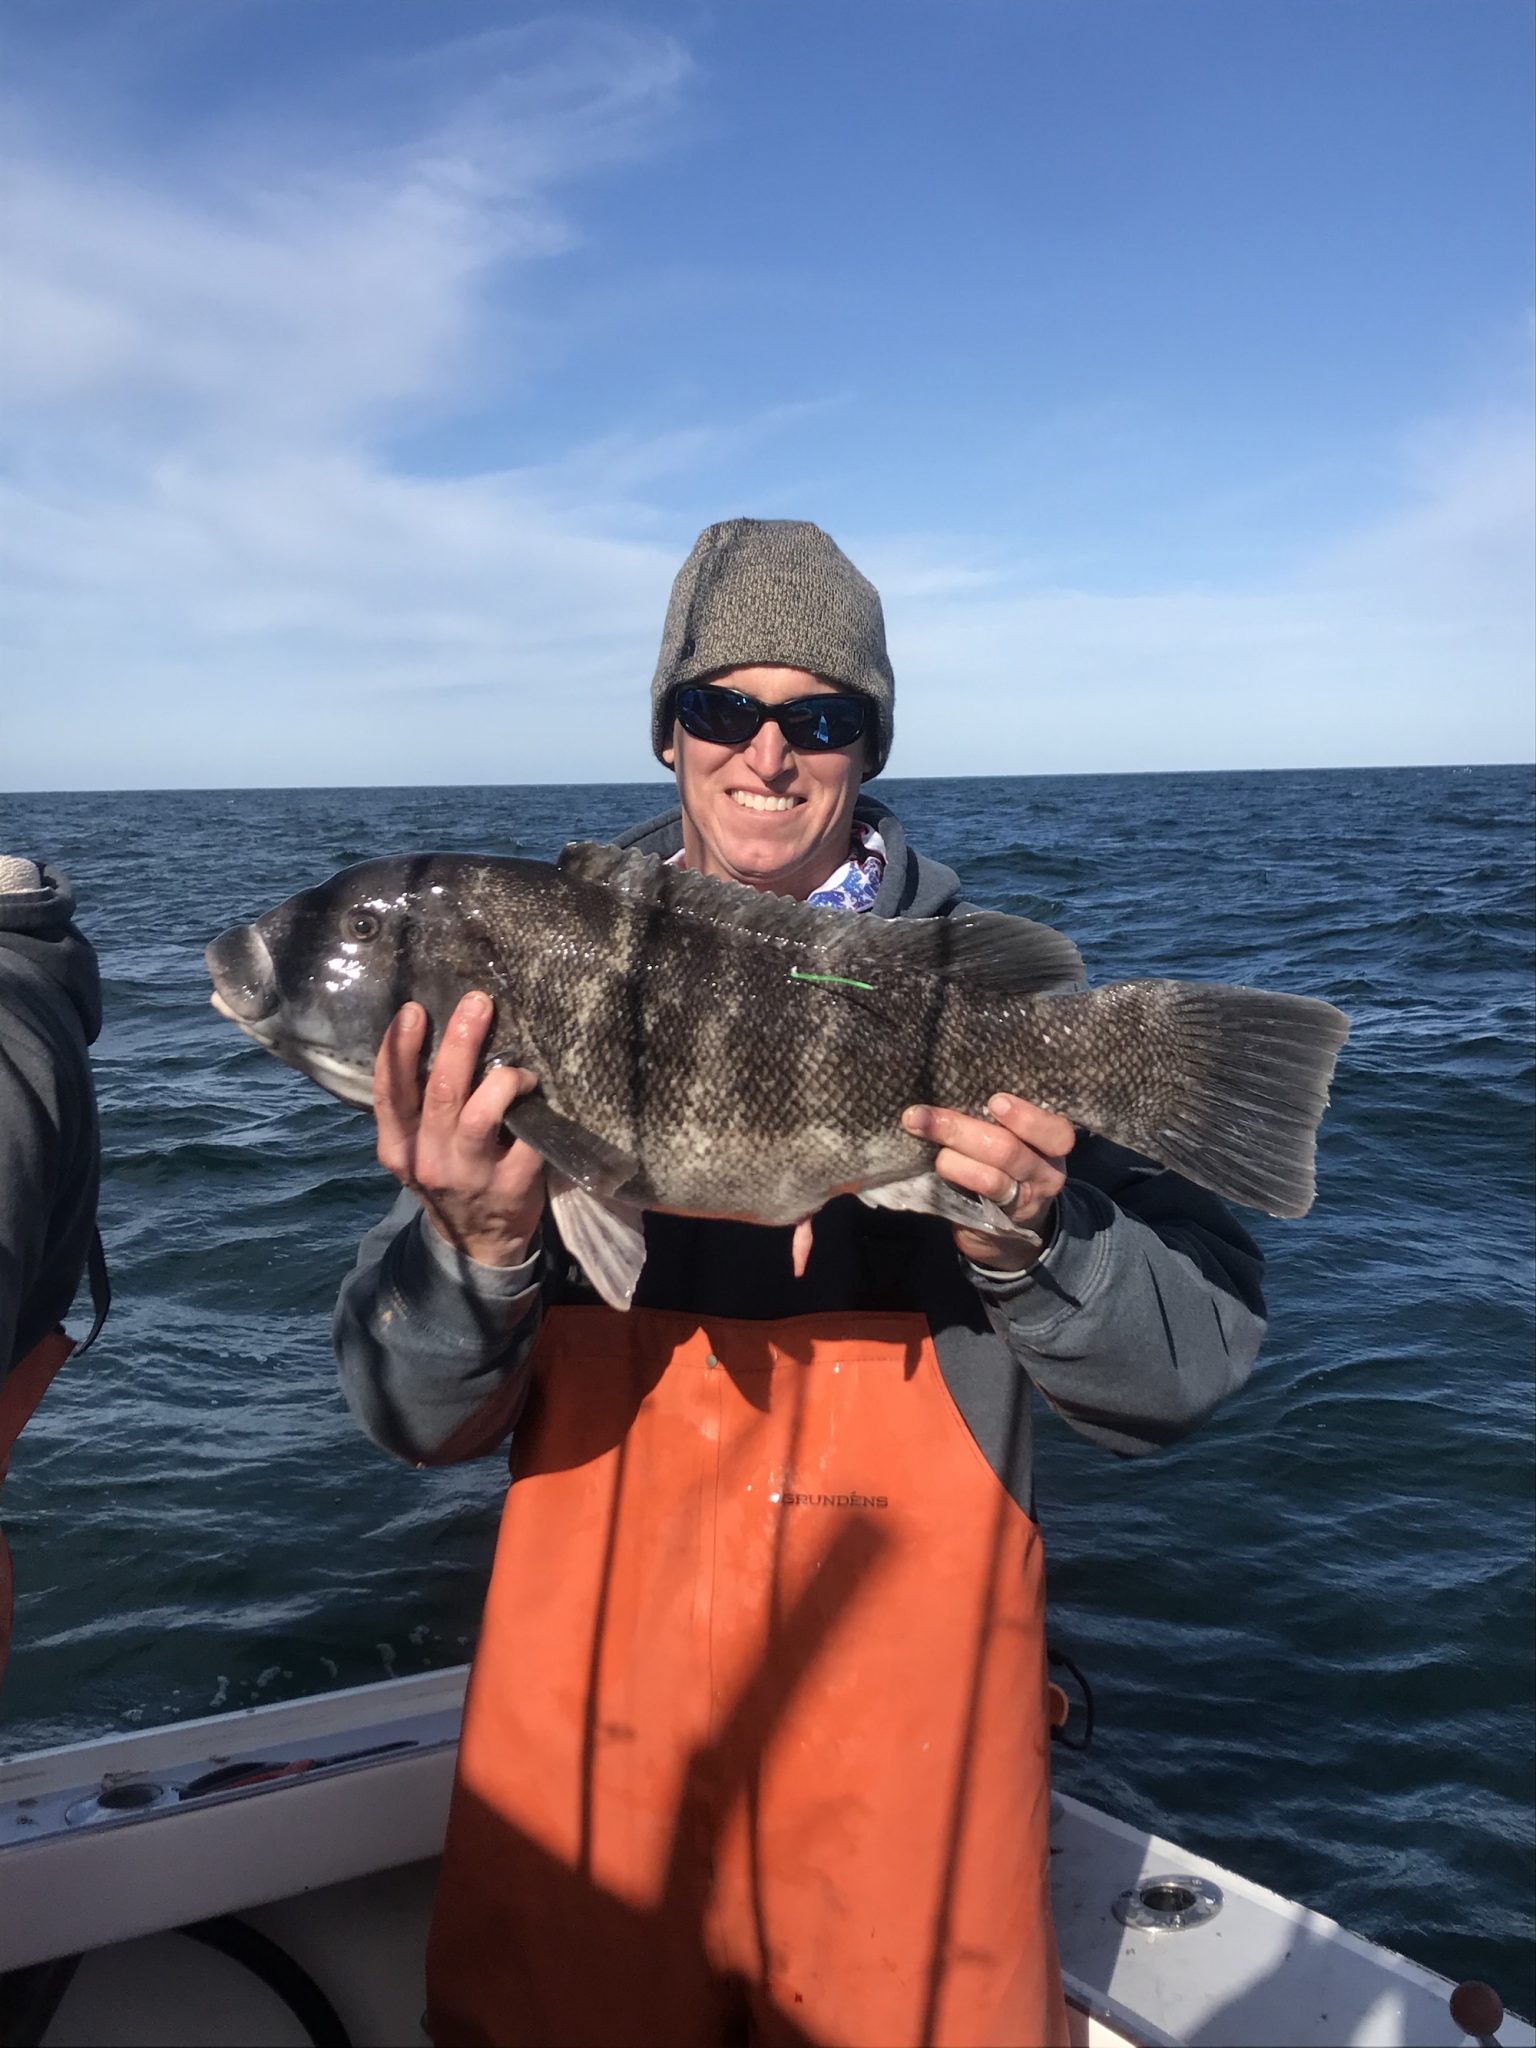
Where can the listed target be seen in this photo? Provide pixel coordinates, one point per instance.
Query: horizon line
(607, 782)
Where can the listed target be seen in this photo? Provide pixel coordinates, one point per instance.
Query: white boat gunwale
(1264, 1969)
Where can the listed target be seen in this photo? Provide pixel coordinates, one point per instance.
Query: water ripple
(1309, 1628)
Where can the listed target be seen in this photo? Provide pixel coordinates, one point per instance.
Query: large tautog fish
(703, 1047)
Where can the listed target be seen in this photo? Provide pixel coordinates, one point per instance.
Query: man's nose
(768, 753)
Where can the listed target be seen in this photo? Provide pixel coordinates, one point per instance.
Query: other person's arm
(29, 1163)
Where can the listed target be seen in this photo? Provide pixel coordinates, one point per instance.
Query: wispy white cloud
(199, 517)
(297, 283)
(216, 569)
(1407, 638)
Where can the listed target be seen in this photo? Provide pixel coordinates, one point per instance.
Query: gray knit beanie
(774, 591)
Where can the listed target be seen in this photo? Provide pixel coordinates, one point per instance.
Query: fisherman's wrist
(1044, 1228)
(1069, 1276)
(505, 1275)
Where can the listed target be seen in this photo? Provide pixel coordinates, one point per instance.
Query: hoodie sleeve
(50, 1164)
(433, 1348)
(1146, 1311)
(29, 1149)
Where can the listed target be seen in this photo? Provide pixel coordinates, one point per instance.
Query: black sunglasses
(727, 718)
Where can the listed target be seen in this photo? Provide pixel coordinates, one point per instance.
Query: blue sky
(369, 371)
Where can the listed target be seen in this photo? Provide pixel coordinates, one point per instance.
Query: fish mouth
(245, 991)
(337, 1076)
(244, 973)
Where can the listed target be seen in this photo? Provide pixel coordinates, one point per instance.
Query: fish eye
(360, 924)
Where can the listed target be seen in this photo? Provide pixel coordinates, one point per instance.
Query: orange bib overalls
(20, 1391)
(755, 1747)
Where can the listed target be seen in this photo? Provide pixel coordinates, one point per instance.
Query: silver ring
(1007, 1203)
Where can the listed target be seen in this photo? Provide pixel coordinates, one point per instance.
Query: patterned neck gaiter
(854, 885)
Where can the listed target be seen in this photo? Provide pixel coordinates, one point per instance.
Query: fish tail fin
(1242, 1084)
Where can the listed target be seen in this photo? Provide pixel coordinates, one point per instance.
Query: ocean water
(1309, 1627)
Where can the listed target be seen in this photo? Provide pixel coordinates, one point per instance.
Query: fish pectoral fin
(928, 1194)
(800, 1245)
(595, 1166)
(606, 1240)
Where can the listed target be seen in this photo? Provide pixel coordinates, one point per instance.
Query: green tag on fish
(839, 980)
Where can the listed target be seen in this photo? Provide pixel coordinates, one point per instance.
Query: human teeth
(750, 802)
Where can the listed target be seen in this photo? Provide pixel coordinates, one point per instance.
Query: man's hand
(445, 1142)
(1018, 1161)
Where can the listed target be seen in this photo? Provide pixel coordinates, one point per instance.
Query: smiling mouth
(749, 800)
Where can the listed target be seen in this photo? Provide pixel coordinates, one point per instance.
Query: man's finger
(997, 1141)
(481, 1119)
(1049, 1134)
(973, 1135)
(992, 1183)
(396, 1089)
(453, 1071)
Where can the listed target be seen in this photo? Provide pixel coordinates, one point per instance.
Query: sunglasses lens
(728, 717)
(817, 724)
(724, 717)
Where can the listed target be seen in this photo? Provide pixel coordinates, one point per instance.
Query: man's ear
(669, 752)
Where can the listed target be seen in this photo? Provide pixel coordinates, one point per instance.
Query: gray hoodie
(1144, 1313)
(50, 1011)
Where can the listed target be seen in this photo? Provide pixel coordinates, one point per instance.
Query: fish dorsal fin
(703, 899)
(623, 868)
(982, 948)
(1010, 956)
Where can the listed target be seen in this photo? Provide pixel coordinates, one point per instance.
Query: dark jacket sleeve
(1146, 1311)
(432, 1347)
(49, 1156)
(29, 1145)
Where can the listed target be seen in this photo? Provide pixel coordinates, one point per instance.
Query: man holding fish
(756, 1740)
